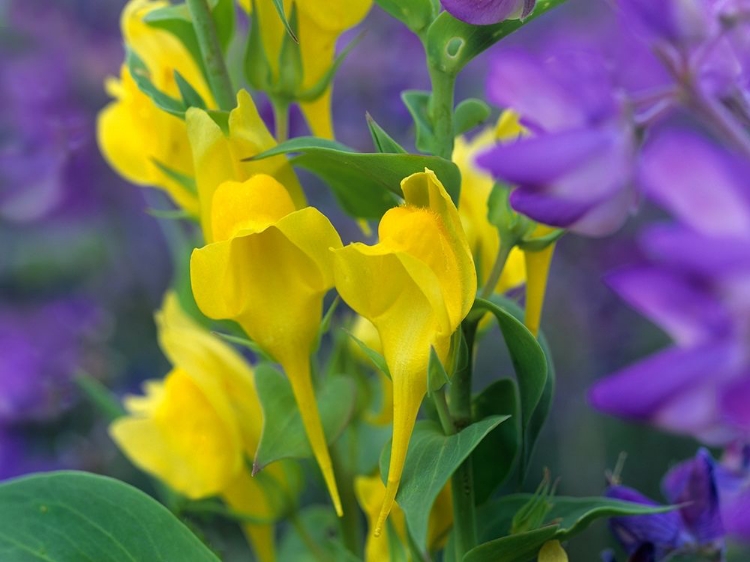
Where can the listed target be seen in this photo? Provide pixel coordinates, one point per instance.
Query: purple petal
(689, 313)
(692, 484)
(643, 390)
(699, 182)
(680, 22)
(659, 533)
(734, 496)
(735, 403)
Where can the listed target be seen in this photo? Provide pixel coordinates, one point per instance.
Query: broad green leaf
(283, 433)
(75, 516)
(314, 536)
(514, 548)
(381, 139)
(529, 363)
(495, 457)
(366, 185)
(470, 113)
(416, 14)
(417, 102)
(539, 417)
(451, 43)
(431, 460)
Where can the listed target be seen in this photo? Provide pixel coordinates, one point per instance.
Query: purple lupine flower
(43, 348)
(574, 171)
(487, 12)
(696, 526)
(694, 284)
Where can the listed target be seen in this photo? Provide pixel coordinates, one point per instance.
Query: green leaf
(185, 181)
(190, 97)
(75, 516)
(417, 102)
(536, 423)
(514, 548)
(366, 185)
(279, 5)
(290, 56)
(223, 12)
(315, 535)
(431, 460)
(571, 516)
(383, 141)
(416, 14)
(283, 434)
(100, 396)
(142, 78)
(529, 362)
(247, 343)
(255, 62)
(470, 113)
(495, 456)
(437, 377)
(452, 44)
(376, 358)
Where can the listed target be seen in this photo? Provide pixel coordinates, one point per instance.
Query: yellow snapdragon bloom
(416, 286)
(476, 186)
(365, 331)
(194, 429)
(133, 133)
(268, 268)
(319, 25)
(552, 551)
(370, 492)
(218, 156)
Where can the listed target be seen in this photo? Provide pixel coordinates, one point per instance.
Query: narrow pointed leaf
(283, 433)
(376, 358)
(381, 139)
(432, 458)
(190, 97)
(66, 516)
(140, 73)
(437, 377)
(366, 185)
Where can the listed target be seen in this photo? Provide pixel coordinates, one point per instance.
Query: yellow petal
(162, 52)
(221, 373)
(133, 134)
(552, 551)
(251, 206)
(335, 15)
(218, 158)
(279, 305)
(415, 286)
(196, 454)
(537, 268)
(370, 493)
(318, 115)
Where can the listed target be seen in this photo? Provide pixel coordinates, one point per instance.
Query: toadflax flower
(193, 429)
(267, 268)
(693, 284)
(319, 25)
(220, 156)
(487, 12)
(136, 137)
(415, 285)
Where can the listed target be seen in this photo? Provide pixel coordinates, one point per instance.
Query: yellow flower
(370, 493)
(194, 429)
(366, 332)
(416, 286)
(537, 266)
(133, 133)
(476, 186)
(552, 551)
(268, 268)
(218, 156)
(319, 25)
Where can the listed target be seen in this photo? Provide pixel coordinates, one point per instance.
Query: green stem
(497, 269)
(350, 527)
(441, 405)
(281, 120)
(441, 111)
(462, 489)
(213, 58)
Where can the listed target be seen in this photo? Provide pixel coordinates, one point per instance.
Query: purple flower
(694, 284)
(695, 527)
(575, 170)
(487, 12)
